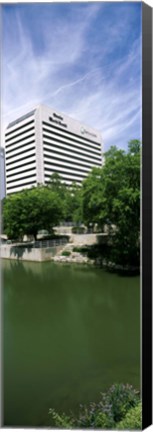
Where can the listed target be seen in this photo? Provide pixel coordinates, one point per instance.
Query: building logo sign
(58, 119)
(84, 131)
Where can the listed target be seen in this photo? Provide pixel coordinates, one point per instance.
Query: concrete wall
(88, 239)
(63, 230)
(27, 253)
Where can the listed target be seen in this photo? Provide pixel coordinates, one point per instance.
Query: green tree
(31, 210)
(127, 209)
(12, 218)
(73, 203)
(111, 196)
(70, 196)
(56, 185)
(93, 198)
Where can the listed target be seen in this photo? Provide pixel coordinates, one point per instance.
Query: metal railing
(49, 243)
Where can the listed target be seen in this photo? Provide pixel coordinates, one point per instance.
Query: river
(69, 333)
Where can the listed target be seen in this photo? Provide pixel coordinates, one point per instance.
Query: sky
(83, 59)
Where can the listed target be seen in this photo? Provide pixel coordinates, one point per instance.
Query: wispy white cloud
(81, 69)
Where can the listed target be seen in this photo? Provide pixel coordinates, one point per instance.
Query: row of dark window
(19, 134)
(23, 145)
(74, 152)
(86, 144)
(21, 172)
(73, 155)
(65, 179)
(21, 152)
(23, 178)
(19, 141)
(19, 127)
(65, 172)
(85, 164)
(70, 145)
(22, 185)
(71, 133)
(19, 166)
(57, 163)
(21, 159)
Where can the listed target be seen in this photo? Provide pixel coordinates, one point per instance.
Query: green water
(69, 333)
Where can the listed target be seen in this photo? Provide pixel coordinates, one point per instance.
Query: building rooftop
(21, 118)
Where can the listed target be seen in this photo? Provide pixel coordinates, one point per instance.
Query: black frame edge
(146, 215)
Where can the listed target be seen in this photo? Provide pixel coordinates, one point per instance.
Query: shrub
(119, 408)
(62, 421)
(119, 399)
(103, 421)
(94, 417)
(66, 253)
(81, 250)
(133, 419)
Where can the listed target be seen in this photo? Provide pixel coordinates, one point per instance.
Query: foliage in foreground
(133, 418)
(119, 408)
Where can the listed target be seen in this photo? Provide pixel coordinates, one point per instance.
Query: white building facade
(2, 173)
(44, 142)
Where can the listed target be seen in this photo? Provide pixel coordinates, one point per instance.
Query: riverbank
(71, 253)
(46, 250)
(111, 267)
(89, 256)
(74, 258)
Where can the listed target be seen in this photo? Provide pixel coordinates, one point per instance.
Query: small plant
(103, 421)
(133, 419)
(66, 253)
(82, 250)
(62, 421)
(120, 398)
(94, 416)
(76, 249)
(119, 408)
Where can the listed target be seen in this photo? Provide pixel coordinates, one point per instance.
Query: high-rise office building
(45, 141)
(2, 172)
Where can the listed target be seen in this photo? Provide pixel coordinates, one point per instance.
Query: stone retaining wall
(27, 253)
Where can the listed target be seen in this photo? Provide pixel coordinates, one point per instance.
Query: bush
(81, 250)
(103, 421)
(119, 399)
(94, 417)
(119, 408)
(133, 419)
(62, 420)
(66, 253)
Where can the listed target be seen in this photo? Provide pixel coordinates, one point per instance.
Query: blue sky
(84, 59)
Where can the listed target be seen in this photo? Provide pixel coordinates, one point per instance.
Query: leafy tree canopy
(111, 195)
(29, 211)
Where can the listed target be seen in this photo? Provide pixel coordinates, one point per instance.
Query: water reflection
(70, 332)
